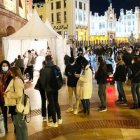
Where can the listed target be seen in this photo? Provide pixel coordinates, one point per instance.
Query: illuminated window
(58, 15)
(51, 6)
(129, 17)
(58, 5)
(129, 23)
(84, 17)
(76, 4)
(64, 3)
(52, 17)
(80, 5)
(65, 34)
(84, 6)
(80, 17)
(65, 16)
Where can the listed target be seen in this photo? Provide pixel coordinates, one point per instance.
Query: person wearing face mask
(5, 79)
(12, 95)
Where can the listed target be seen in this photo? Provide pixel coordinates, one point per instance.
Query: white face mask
(5, 69)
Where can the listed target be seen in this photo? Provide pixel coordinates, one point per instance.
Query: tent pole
(21, 48)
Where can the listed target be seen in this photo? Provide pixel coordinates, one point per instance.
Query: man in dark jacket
(135, 82)
(127, 58)
(101, 76)
(70, 70)
(120, 77)
(51, 93)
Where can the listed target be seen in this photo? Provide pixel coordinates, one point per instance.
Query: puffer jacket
(13, 92)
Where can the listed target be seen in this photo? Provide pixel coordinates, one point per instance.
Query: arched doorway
(10, 30)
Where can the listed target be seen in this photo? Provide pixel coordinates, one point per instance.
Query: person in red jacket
(5, 79)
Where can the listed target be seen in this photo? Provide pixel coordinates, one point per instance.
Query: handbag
(23, 105)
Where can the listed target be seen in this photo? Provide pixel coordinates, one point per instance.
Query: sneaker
(81, 111)
(51, 124)
(50, 120)
(135, 106)
(44, 119)
(102, 109)
(123, 103)
(60, 121)
(118, 101)
(69, 110)
(75, 111)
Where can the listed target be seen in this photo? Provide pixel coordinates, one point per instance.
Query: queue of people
(79, 72)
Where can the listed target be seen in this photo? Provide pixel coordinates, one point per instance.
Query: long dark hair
(16, 72)
(102, 62)
(84, 63)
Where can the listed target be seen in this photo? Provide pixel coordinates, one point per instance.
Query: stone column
(71, 17)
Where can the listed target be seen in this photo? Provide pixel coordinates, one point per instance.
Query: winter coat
(127, 58)
(46, 77)
(101, 74)
(5, 79)
(84, 84)
(135, 77)
(13, 92)
(70, 71)
(120, 72)
(19, 63)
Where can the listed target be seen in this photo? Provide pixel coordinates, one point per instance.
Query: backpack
(56, 78)
(33, 60)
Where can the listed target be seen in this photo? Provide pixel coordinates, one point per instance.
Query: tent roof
(34, 28)
(47, 23)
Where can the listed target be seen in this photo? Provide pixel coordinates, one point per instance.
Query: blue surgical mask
(5, 68)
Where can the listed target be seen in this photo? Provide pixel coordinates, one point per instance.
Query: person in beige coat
(12, 96)
(84, 87)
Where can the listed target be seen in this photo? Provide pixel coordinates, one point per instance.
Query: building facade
(74, 21)
(106, 28)
(12, 18)
(70, 18)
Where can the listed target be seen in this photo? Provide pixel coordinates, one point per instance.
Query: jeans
(20, 126)
(30, 71)
(121, 93)
(54, 107)
(43, 105)
(102, 94)
(43, 102)
(86, 105)
(135, 93)
(71, 90)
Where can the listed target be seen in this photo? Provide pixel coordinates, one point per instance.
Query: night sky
(101, 5)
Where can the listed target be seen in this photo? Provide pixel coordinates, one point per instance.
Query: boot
(135, 106)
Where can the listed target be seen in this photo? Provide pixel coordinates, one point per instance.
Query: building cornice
(12, 15)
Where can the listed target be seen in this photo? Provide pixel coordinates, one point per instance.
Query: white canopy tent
(25, 38)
